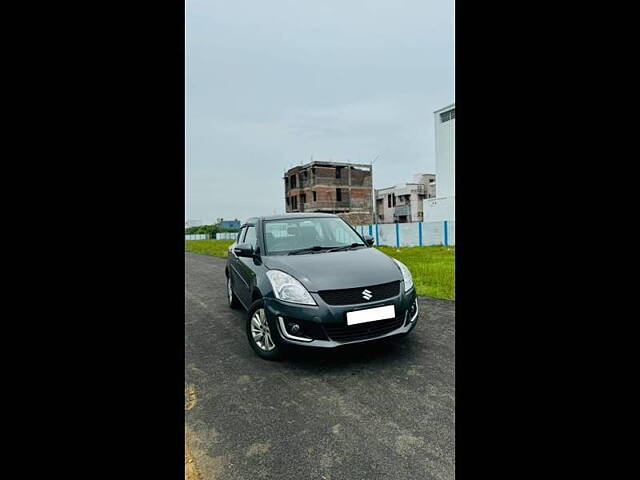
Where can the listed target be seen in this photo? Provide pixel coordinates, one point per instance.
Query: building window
(389, 200)
(287, 201)
(338, 194)
(448, 115)
(314, 196)
(393, 195)
(303, 198)
(293, 181)
(338, 172)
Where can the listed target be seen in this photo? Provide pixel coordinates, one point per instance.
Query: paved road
(374, 411)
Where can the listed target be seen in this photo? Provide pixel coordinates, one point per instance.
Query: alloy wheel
(260, 331)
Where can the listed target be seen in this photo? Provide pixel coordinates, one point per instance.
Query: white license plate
(371, 315)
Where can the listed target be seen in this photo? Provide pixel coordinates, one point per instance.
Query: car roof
(285, 216)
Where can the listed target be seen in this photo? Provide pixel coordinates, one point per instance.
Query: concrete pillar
(349, 187)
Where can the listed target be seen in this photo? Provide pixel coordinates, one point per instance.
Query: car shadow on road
(377, 352)
(382, 352)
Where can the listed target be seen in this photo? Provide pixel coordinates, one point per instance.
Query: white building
(443, 206)
(404, 203)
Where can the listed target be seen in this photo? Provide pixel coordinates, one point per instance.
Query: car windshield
(308, 235)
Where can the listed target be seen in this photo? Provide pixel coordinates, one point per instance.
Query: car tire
(265, 345)
(231, 297)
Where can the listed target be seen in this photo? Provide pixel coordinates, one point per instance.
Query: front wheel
(260, 337)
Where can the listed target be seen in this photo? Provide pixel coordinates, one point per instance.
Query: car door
(246, 266)
(234, 265)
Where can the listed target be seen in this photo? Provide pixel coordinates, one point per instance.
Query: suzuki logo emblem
(366, 294)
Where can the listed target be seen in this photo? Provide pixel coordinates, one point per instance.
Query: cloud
(270, 84)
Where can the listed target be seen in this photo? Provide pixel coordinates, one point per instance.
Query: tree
(201, 229)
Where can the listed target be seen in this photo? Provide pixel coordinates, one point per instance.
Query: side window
(251, 237)
(240, 234)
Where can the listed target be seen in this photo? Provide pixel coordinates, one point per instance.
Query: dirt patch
(356, 218)
(190, 470)
(407, 445)
(189, 397)
(198, 462)
(258, 449)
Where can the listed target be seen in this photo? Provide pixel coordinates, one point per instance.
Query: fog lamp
(294, 327)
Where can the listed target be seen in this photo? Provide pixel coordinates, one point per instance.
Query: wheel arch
(256, 294)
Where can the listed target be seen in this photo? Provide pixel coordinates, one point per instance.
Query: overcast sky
(269, 84)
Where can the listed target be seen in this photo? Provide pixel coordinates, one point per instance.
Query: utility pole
(374, 205)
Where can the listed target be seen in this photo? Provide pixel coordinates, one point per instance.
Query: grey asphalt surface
(371, 411)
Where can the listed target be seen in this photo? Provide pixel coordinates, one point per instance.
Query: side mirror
(243, 250)
(368, 239)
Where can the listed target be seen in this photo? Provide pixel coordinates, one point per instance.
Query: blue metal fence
(197, 236)
(392, 234)
(413, 234)
(217, 236)
(226, 235)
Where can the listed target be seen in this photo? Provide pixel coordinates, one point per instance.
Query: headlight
(406, 275)
(287, 288)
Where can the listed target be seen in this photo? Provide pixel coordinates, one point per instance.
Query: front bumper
(325, 325)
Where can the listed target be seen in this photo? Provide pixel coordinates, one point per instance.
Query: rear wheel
(231, 297)
(260, 336)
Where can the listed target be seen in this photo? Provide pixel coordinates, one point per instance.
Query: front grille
(349, 333)
(352, 296)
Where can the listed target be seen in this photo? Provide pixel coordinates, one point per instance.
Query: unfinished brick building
(329, 187)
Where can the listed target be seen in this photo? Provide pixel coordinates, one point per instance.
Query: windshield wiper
(316, 248)
(346, 247)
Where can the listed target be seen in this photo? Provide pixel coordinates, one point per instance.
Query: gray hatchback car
(312, 280)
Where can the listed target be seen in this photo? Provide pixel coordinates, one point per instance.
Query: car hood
(337, 270)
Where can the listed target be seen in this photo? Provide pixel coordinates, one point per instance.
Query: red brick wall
(360, 177)
(327, 175)
(356, 218)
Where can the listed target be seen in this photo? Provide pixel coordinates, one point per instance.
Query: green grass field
(216, 248)
(432, 268)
